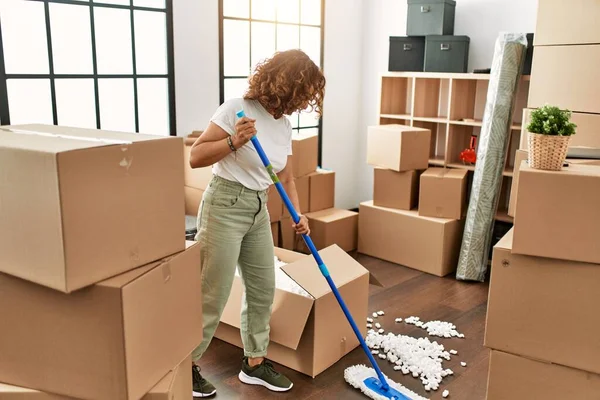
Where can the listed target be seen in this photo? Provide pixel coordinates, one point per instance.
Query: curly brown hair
(287, 82)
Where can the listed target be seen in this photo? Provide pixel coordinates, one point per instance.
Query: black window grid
(170, 75)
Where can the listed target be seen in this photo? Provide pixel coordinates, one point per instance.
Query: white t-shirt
(244, 165)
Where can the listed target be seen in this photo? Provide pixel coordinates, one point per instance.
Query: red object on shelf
(469, 156)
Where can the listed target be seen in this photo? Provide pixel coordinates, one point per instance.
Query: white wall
(481, 20)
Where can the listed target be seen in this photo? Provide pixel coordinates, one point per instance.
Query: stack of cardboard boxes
(100, 294)
(316, 195)
(542, 318)
(416, 218)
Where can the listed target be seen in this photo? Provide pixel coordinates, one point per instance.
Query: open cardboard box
(308, 334)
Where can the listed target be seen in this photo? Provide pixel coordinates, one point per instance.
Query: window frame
(223, 77)
(170, 75)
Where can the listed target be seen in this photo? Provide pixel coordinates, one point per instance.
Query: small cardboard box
(274, 204)
(398, 147)
(308, 334)
(514, 377)
(275, 233)
(443, 192)
(396, 189)
(571, 22)
(558, 213)
(332, 226)
(403, 237)
(113, 340)
(98, 203)
(531, 298)
(321, 190)
(193, 198)
(305, 153)
(302, 189)
(520, 156)
(174, 386)
(198, 178)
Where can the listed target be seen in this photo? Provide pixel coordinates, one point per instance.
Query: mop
(371, 381)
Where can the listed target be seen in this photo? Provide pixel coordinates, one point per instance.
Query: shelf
(467, 123)
(444, 75)
(508, 172)
(438, 161)
(462, 166)
(395, 116)
(516, 127)
(502, 215)
(437, 120)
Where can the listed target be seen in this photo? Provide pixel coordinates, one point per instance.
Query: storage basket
(547, 152)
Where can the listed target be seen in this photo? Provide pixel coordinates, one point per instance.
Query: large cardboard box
(520, 156)
(398, 147)
(332, 226)
(275, 233)
(558, 213)
(288, 234)
(443, 192)
(305, 153)
(82, 205)
(514, 377)
(302, 189)
(113, 340)
(543, 308)
(564, 76)
(274, 204)
(321, 190)
(174, 386)
(567, 22)
(308, 334)
(396, 189)
(403, 237)
(193, 198)
(198, 178)
(587, 131)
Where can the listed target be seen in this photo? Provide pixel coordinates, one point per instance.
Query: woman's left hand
(302, 226)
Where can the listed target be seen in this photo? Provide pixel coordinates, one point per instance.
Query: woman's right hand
(244, 131)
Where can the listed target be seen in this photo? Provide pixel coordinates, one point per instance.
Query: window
(252, 30)
(105, 64)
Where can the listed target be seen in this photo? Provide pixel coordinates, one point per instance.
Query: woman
(233, 221)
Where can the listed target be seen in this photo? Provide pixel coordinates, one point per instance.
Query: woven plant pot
(547, 152)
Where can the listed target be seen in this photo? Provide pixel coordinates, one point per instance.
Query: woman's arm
(286, 177)
(212, 146)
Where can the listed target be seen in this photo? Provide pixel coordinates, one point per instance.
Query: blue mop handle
(261, 153)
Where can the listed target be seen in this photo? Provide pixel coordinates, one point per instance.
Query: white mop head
(356, 375)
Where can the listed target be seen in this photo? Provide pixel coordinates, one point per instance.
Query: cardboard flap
(288, 317)
(342, 268)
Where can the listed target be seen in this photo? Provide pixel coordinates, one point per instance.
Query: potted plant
(549, 133)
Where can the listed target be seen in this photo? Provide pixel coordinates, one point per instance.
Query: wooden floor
(404, 292)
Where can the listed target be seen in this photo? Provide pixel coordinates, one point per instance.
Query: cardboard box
(274, 204)
(587, 131)
(520, 156)
(305, 150)
(443, 192)
(275, 233)
(564, 77)
(403, 237)
(396, 189)
(308, 334)
(567, 22)
(193, 198)
(332, 226)
(302, 189)
(558, 213)
(514, 377)
(288, 234)
(98, 203)
(543, 308)
(198, 178)
(174, 386)
(398, 147)
(321, 190)
(112, 340)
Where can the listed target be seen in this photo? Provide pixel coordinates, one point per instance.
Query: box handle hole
(425, 9)
(445, 46)
(407, 46)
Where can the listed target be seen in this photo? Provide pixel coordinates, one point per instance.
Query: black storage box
(406, 53)
(528, 55)
(430, 17)
(446, 53)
